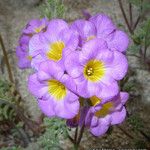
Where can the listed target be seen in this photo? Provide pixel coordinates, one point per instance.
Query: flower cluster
(77, 68)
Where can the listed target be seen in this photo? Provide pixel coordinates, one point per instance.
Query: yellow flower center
(37, 30)
(55, 52)
(104, 110)
(56, 89)
(95, 100)
(90, 38)
(29, 58)
(94, 70)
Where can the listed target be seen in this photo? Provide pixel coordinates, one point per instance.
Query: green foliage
(135, 2)
(143, 5)
(142, 34)
(53, 9)
(7, 111)
(136, 122)
(50, 139)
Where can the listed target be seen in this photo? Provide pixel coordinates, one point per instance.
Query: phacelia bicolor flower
(76, 70)
(96, 69)
(102, 115)
(101, 26)
(54, 91)
(57, 42)
(35, 26)
(22, 52)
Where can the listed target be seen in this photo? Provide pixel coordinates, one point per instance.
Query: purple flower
(35, 26)
(22, 52)
(54, 90)
(101, 26)
(56, 43)
(96, 69)
(103, 115)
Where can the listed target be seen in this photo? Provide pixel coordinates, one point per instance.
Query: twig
(130, 14)
(147, 137)
(125, 17)
(76, 134)
(6, 60)
(139, 17)
(71, 139)
(136, 23)
(80, 135)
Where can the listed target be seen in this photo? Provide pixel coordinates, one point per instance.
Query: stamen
(94, 70)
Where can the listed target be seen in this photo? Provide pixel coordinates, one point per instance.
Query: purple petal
(84, 28)
(69, 107)
(118, 116)
(119, 66)
(91, 49)
(37, 60)
(70, 39)
(34, 24)
(93, 89)
(55, 26)
(106, 56)
(49, 69)
(82, 88)
(23, 61)
(69, 83)
(35, 87)
(118, 40)
(73, 68)
(124, 97)
(112, 89)
(102, 127)
(47, 107)
(104, 25)
(36, 43)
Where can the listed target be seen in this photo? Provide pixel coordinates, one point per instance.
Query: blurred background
(22, 126)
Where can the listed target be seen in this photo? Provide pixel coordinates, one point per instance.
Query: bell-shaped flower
(101, 26)
(55, 91)
(54, 44)
(104, 114)
(35, 26)
(96, 69)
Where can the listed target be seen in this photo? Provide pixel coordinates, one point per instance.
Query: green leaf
(53, 9)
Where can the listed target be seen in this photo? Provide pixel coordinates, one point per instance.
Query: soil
(14, 14)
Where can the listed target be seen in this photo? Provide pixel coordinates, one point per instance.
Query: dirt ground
(14, 14)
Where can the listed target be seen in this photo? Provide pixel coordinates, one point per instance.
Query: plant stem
(76, 134)
(139, 17)
(136, 23)
(80, 135)
(130, 14)
(6, 60)
(124, 16)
